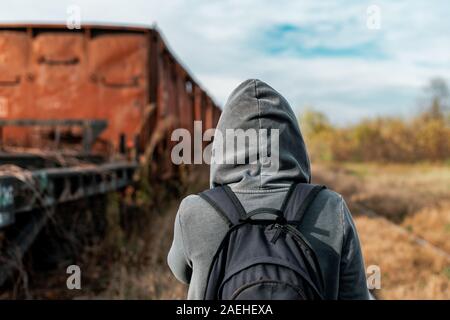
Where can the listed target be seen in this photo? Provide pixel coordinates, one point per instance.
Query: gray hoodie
(328, 224)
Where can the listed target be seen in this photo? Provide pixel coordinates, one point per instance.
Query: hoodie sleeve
(177, 258)
(352, 279)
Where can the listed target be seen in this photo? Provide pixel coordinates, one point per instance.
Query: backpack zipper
(280, 229)
(299, 237)
(286, 228)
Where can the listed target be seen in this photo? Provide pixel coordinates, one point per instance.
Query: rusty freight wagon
(126, 76)
(107, 97)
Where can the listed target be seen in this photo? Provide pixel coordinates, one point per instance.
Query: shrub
(384, 139)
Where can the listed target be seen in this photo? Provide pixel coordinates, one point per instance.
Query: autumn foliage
(425, 137)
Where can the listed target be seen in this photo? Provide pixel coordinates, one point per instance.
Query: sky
(350, 59)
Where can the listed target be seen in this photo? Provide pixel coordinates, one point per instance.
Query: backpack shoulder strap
(299, 200)
(225, 202)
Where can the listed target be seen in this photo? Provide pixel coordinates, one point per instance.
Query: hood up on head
(255, 105)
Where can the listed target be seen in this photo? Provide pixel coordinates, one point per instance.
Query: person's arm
(177, 258)
(352, 279)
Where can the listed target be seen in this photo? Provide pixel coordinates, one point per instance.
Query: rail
(23, 191)
(27, 190)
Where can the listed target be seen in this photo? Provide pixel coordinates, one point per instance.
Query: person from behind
(263, 231)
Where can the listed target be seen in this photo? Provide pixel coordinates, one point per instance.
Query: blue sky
(316, 53)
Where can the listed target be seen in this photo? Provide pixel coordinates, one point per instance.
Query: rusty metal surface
(54, 84)
(99, 72)
(90, 129)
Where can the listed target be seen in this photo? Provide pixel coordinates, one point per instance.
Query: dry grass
(152, 279)
(415, 197)
(432, 224)
(395, 191)
(409, 271)
(130, 261)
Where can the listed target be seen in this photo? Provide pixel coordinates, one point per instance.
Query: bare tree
(438, 95)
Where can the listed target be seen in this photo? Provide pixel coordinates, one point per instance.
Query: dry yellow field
(402, 213)
(409, 235)
(412, 200)
(432, 223)
(408, 270)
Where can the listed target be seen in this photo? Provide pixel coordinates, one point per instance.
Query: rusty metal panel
(63, 74)
(153, 45)
(198, 103)
(217, 112)
(209, 113)
(162, 94)
(57, 72)
(117, 68)
(185, 100)
(167, 79)
(13, 67)
(14, 85)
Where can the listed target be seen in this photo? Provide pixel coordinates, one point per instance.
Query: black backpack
(264, 258)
